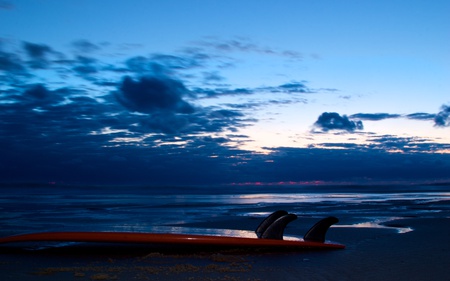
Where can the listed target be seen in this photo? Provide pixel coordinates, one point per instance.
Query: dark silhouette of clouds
(11, 63)
(164, 64)
(37, 92)
(212, 77)
(333, 121)
(150, 94)
(142, 121)
(217, 92)
(290, 88)
(421, 116)
(85, 67)
(442, 119)
(353, 164)
(38, 54)
(374, 116)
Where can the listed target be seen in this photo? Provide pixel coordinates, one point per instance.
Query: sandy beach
(420, 252)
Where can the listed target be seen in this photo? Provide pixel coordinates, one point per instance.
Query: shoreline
(371, 253)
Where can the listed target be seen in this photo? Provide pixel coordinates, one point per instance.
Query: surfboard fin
(268, 221)
(276, 229)
(319, 230)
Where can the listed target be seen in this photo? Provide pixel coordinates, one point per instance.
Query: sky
(207, 92)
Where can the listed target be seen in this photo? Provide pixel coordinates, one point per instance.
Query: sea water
(209, 210)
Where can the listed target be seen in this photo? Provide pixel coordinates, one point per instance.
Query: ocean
(230, 210)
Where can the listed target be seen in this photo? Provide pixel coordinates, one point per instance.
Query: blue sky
(213, 92)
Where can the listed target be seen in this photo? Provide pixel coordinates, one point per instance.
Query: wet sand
(372, 253)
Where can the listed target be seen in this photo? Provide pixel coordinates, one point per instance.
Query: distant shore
(344, 187)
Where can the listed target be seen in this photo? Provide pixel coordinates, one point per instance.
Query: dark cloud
(333, 121)
(374, 116)
(140, 64)
(147, 128)
(215, 140)
(165, 122)
(212, 77)
(38, 54)
(224, 113)
(293, 87)
(391, 144)
(84, 46)
(354, 164)
(38, 92)
(289, 88)
(151, 94)
(85, 67)
(6, 5)
(178, 62)
(404, 144)
(212, 93)
(163, 64)
(232, 45)
(421, 116)
(442, 119)
(245, 45)
(37, 96)
(10, 62)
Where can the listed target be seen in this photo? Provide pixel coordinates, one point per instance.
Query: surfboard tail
(318, 231)
(268, 221)
(273, 227)
(276, 229)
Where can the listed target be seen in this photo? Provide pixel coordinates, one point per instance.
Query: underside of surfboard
(269, 233)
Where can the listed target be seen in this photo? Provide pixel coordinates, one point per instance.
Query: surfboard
(167, 238)
(269, 235)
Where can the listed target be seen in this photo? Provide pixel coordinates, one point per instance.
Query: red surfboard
(269, 235)
(164, 238)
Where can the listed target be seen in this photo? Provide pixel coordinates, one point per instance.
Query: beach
(395, 235)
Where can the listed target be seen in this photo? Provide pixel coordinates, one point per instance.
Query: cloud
(247, 46)
(442, 119)
(152, 94)
(165, 64)
(374, 116)
(84, 46)
(212, 77)
(356, 163)
(178, 62)
(333, 121)
(37, 97)
(145, 117)
(421, 116)
(165, 122)
(38, 92)
(12, 64)
(38, 54)
(217, 92)
(290, 88)
(85, 67)
(224, 113)
(6, 5)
